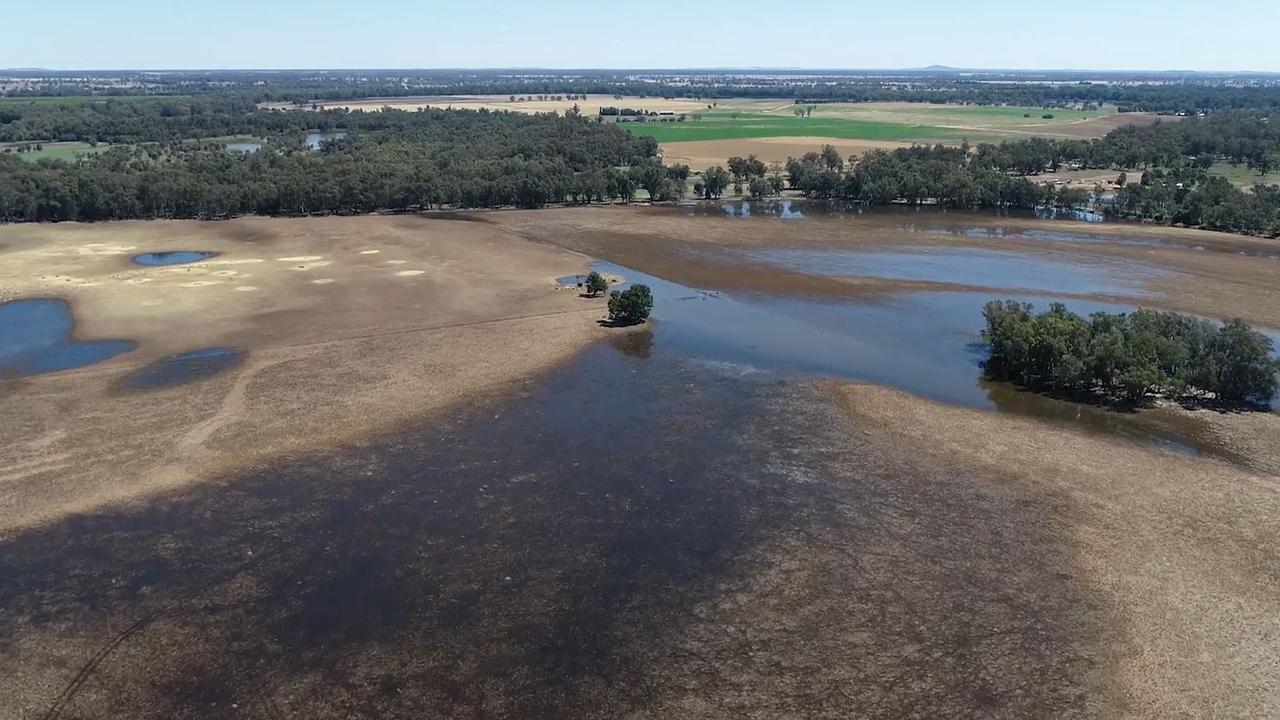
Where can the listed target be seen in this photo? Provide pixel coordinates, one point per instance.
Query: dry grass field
(988, 119)
(589, 106)
(702, 154)
(348, 325)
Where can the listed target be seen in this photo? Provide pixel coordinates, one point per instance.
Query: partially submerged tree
(714, 182)
(631, 306)
(595, 284)
(1129, 356)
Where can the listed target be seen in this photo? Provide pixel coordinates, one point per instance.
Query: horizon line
(705, 69)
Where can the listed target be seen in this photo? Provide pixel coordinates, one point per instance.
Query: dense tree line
(1249, 137)
(420, 160)
(1174, 187)
(1128, 357)
(946, 176)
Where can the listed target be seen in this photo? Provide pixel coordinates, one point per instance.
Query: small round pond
(172, 257)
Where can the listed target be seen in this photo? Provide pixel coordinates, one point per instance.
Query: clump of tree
(595, 284)
(713, 183)
(747, 168)
(1127, 357)
(631, 306)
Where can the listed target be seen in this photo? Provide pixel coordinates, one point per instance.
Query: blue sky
(1138, 34)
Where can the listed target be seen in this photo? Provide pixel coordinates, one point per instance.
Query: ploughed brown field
(434, 485)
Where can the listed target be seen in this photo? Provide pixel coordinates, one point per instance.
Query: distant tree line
(420, 160)
(1175, 187)
(611, 111)
(941, 175)
(1129, 357)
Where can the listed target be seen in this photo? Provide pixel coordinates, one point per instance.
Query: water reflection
(926, 343)
(782, 209)
(243, 147)
(636, 344)
(172, 257)
(316, 140)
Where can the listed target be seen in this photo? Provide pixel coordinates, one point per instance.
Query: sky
(1034, 34)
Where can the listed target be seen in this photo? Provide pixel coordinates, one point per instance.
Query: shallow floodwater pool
(184, 368)
(963, 266)
(926, 343)
(172, 257)
(36, 337)
(316, 140)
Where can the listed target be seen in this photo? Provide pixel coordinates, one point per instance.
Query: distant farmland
(902, 122)
(78, 99)
(54, 150)
(759, 125)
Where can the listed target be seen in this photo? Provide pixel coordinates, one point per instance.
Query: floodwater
(552, 555)
(973, 224)
(37, 337)
(172, 257)
(965, 266)
(573, 547)
(813, 208)
(244, 147)
(184, 367)
(926, 343)
(316, 140)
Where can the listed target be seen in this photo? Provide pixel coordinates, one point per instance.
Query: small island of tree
(630, 306)
(595, 284)
(1128, 357)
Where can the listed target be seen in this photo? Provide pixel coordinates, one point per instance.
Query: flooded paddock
(559, 554)
(926, 343)
(1056, 273)
(697, 517)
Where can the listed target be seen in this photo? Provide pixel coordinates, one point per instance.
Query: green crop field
(55, 151)
(722, 126)
(1243, 176)
(903, 122)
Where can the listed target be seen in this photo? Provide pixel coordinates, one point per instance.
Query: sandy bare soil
(702, 154)
(1103, 124)
(349, 324)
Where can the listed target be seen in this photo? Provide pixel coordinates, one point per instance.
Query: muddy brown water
(560, 554)
(927, 343)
